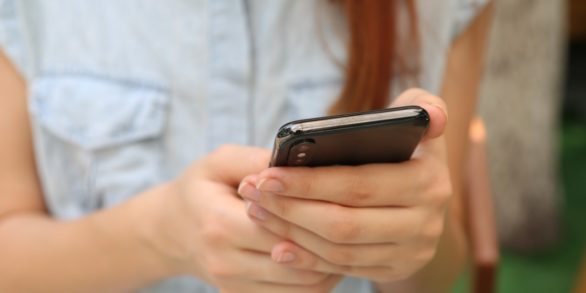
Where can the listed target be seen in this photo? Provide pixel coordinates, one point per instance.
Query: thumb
(436, 109)
(229, 164)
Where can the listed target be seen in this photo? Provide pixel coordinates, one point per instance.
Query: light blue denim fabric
(125, 94)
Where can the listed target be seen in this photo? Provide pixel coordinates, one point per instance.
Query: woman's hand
(379, 221)
(203, 229)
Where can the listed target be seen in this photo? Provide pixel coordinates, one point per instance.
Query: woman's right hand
(201, 228)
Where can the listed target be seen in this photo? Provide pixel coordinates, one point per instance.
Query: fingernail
(256, 211)
(442, 109)
(285, 257)
(271, 185)
(247, 190)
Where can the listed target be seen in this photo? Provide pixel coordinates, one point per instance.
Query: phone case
(381, 136)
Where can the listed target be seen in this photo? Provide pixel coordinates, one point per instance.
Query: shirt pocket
(98, 140)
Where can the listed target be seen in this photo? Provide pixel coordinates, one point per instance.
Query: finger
(243, 232)
(325, 256)
(253, 237)
(230, 163)
(325, 286)
(306, 250)
(292, 255)
(369, 185)
(433, 144)
(309, 261)
(247, 188)
(260, 267)
(343, 225)
(435, 107)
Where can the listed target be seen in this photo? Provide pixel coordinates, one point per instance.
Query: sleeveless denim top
(125, 94)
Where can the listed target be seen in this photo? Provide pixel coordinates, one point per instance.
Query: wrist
(148, 213)
(160, 229)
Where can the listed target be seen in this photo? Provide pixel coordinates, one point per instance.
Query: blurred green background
(555, 269)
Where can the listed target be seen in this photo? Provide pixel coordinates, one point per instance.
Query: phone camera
(300, 153)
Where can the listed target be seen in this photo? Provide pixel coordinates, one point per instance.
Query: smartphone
(380, 136)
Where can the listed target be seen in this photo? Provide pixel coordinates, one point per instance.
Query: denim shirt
(124, 95)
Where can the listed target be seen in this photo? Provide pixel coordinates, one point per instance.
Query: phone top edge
(297, 131)
(348, 120)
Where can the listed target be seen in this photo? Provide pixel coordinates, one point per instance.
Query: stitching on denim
(104, 77)
(308, 84)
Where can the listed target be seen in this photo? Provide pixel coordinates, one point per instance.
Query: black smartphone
(380, 136)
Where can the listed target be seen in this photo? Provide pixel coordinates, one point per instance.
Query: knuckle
(358, 191)
(439, 187)
(425, 256)
(281, 205)
(214, 233)
(424, 172)
(433, 231)
(307, 187)
(343, 230)
(345, 269)
(340, 256)
(309, 262)
(285, 230)
(426, 228)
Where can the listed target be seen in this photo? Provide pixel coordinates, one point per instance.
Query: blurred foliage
(555, 269)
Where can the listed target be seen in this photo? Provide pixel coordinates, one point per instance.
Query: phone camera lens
(301, 153)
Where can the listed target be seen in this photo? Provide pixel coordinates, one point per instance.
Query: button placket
(229, 74)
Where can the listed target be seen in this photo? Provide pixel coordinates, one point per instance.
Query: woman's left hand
(379, 221)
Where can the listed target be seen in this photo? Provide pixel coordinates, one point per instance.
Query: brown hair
(373, 54)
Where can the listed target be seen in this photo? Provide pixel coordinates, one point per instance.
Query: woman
(115, 179)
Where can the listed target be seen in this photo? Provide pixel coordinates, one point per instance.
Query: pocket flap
(97, 113)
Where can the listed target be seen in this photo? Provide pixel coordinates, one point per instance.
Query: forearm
(104, 252)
